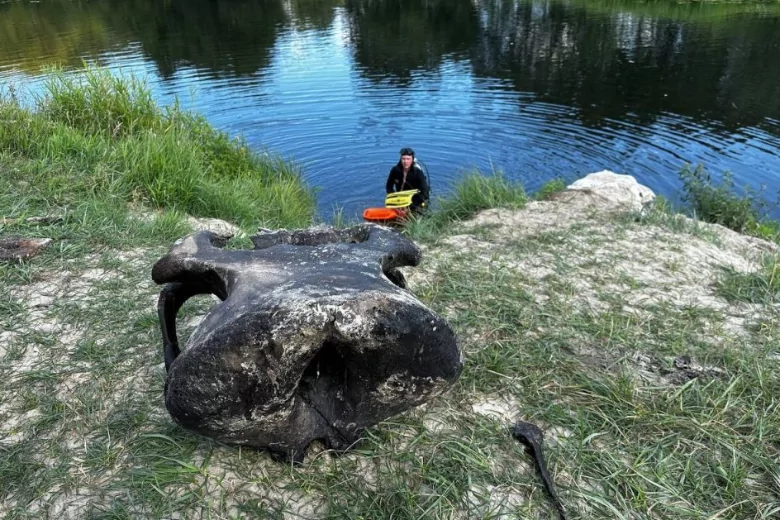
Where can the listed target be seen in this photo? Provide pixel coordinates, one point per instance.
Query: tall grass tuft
(474, 192)
(761, 286)
(99, 135)
(99, 103)
(549, 188)
(717, 202)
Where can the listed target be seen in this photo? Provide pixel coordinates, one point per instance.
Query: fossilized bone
(315, 337)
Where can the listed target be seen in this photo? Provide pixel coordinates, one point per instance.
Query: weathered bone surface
(315, 337)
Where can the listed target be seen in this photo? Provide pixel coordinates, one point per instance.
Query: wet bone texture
(316, 337)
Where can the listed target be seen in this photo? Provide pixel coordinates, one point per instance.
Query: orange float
(384, 215)
(396, 208)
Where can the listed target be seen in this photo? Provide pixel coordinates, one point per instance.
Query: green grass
(662, 214)
(684, 452)
(96, 137)
(549, 188)
(89, 420)
(473, 192)
(718, 11)
(761, 286)
(718, 202)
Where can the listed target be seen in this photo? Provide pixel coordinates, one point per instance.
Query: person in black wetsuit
(408, 175)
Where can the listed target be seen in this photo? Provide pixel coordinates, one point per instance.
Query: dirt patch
(283, 494)
(598, 258)
(504, 409)
(488, 501)
(672, 370)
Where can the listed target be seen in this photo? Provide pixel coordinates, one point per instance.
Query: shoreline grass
(719, 203)
(472, 193)
(85, 429)
(96, 137)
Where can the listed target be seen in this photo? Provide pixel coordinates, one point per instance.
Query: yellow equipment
(400, 199)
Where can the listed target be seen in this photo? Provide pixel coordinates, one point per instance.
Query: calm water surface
(536, 88)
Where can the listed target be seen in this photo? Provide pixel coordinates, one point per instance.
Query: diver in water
(409, 175)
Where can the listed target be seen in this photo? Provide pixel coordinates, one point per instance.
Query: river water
(535, 88)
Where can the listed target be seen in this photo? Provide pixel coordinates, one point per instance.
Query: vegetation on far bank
(715, 11)
(656, 385)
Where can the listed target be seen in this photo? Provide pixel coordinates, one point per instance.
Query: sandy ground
(645, 265)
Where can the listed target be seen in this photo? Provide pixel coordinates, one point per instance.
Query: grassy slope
(97, 143)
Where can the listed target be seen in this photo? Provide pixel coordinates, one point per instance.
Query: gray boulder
(316, 337)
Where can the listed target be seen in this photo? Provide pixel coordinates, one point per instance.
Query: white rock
(616, 190)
